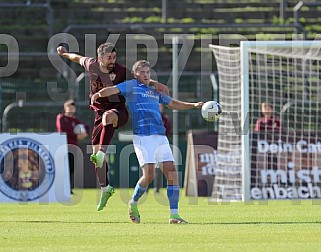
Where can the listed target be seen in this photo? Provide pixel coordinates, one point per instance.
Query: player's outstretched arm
(105, 92)
(62, 51)
(181, 105)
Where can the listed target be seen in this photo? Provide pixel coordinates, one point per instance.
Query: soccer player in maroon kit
(111, 112)
(270, 122)
(66, 122)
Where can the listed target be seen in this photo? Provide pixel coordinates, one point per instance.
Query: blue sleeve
(125, 87)
(165, 99)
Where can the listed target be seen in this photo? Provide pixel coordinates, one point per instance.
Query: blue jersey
(143, 103)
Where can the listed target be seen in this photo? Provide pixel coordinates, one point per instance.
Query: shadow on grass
(161, 223)
(258, 223)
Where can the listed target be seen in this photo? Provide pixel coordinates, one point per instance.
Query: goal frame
(245, 48)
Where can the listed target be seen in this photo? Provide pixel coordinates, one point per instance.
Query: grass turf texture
(259, 226)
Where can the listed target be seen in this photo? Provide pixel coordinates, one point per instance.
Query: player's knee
(109, 117)
(148, 177)
(172, 176)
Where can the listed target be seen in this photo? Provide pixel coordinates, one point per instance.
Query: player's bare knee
(150, 177)
(109, 117)
(148, 174)
(172, 180)
(172, 176)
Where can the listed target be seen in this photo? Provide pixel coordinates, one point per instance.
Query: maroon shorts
(98, 126)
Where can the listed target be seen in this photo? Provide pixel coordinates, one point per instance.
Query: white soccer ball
(211, 111)
(79, 129)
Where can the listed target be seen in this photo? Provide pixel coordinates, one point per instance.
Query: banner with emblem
(200, 162)
(34, 167)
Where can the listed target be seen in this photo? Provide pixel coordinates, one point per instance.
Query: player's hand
(82, 136)
(198, 104)
(162, 88)
(94, 98)
(61, 50)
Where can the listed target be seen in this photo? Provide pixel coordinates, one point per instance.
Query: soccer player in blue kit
(150, 142)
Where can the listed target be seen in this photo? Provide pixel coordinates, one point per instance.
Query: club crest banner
(34, 167)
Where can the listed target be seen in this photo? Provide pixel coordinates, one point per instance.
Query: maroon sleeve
(85, 62)
(59, 123)
(257, 125)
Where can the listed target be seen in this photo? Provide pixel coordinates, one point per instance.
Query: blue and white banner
(34, 167)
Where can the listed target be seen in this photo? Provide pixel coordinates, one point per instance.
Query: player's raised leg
(106, 190)
(102, 134)
(109, 123)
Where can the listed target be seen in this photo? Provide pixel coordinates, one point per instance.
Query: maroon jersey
(99, 80)
(66, 124)
(268, 124)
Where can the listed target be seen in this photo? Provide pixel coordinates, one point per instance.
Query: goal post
(244, 57)
(281, 160)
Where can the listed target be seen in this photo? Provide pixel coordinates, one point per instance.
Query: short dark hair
(106, 48)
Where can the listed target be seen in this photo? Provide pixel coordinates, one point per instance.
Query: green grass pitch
(257, 226)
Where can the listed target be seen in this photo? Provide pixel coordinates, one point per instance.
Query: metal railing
(182, 26)
(22, 104)
(29, 4)
(296, 12)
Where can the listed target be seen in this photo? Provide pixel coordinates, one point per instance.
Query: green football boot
(98, 159)
(104, 197)
(133, 213)
(176, 219)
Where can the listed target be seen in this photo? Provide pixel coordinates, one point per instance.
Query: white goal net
(228, 179)
(276, 155)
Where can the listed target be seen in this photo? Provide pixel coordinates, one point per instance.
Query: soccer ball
(211, 111)
(79, 129)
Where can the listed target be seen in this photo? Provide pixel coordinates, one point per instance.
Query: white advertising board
(34, 168)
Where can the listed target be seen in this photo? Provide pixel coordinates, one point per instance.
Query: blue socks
(138, 192)
(173, 196)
